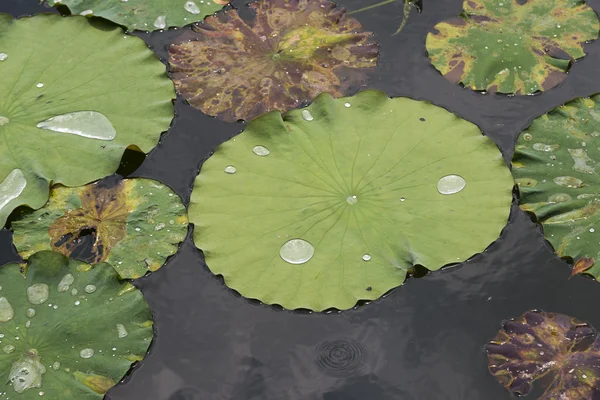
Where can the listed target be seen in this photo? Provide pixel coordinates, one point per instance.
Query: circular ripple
(340, 358)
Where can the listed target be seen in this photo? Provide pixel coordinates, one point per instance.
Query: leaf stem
(383, 3)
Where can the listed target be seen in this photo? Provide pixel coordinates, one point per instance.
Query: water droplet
(347, 105)
(65, 283)
(451, 184)
(230, 169)
(39, 85)
(297, 251)
(160, 22)
(8, 348)
(27, 373)
(3, 56)
(86, 12)
(261, 151)
(159, 227)
(402, 199)
(6, 311)
(86, 353)
(191, 7)
(77, 303)
(545, 147)
(27, 324)
(584, 376)
(366, 257)
(121, 331)
(90, 289)
(592, 230)
(12, 187)
(527, 137)
(3, 120)
(74, 292)
(558, 25)
(38, 293)
(56, 366)
(30, 313)
(89, 124)
(351, 200)
(307, 115)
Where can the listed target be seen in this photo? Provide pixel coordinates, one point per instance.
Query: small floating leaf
(67, 347)
(74, 97)
(512, 46)
(582, 265)
(290, 53)
(566, 197)
(539, 344)
(132, 224)
(144, 15)
(347, 201)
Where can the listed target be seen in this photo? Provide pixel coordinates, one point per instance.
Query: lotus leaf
(293, 51)
(132, 224)
(556, 167)
(539, 344)
(68, 331)
(145, 15)
(512, 46)
(334, 203)
(74, 98)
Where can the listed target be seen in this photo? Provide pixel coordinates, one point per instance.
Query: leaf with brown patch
(582, 265)
(511, 46)
(132, 224)
(290, 53)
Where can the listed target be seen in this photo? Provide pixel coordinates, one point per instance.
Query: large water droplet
(3, 120)
(56, 365)
(230, 169)
(89, 124)
(39, 85)
(297, 251)
(12, 187)
(65, 283)
(191, 7)
(121, 331)
(261, 151)
(160, 22)
(6, 311)
(307, 115)
(568, 181)
(451, 184)
(3, 56)
(366, 257)
(90, 289)
(347, 105)
(351, 200)
(30, 313)
(86, 12)
(38, 293)
(26, 373)
(9, 348)
(86, 353)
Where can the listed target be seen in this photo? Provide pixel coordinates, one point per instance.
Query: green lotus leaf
(132, 224)
(290, 53)
(334, 203)
(556, 167)
(145, 15)
(74, 97)
(68, 331)
(539, 344)
(512, 46)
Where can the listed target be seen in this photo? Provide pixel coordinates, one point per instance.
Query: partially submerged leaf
(71, 332)
(333, 204)
(559, 178)
(512, 46)
(145, 15)
(539, 344)
(290, 53)
(74, 98)
(133, 224)
(582, 265)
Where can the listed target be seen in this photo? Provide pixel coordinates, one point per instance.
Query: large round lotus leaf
(556, 167)
(145, 15)
(132, 224)
(512, 46)
(538, 344)
(68, 331)
(74, 97)
(291, 52)
(349, 192)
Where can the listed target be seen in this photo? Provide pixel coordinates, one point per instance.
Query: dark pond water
(422, 341)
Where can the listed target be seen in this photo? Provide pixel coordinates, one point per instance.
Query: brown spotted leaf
(561, 349)
(512, 46)
(582, 265)
(132, 224)
(291, 52)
